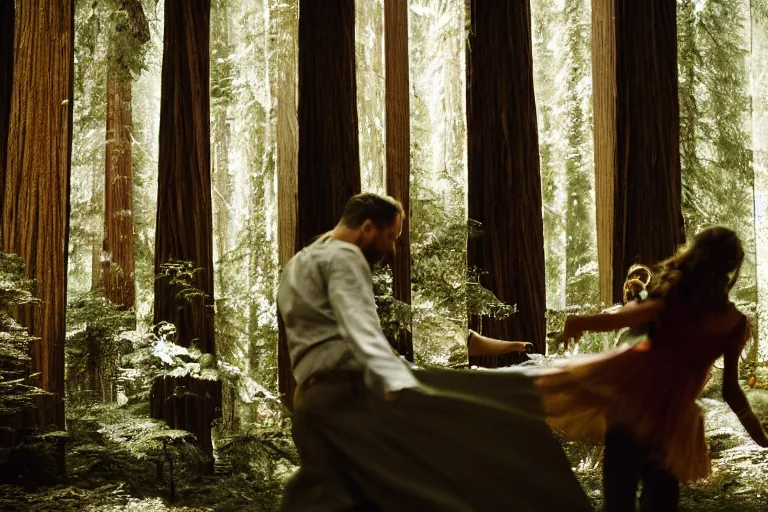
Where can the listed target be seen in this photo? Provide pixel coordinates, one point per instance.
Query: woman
(641, 400)
(635, 290)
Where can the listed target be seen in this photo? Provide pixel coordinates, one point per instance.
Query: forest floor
(103, 475)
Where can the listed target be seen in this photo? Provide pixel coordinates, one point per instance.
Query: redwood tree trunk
(329, 165)
(287, 149)
(7, 21)
(36, 197)
(118, 278)
(184, 178)
(118, 190)
(637, 134)
(398, 135)
(287, 183)
(504, 178)
(184, 215)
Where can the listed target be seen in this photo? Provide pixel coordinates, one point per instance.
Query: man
(375, 435)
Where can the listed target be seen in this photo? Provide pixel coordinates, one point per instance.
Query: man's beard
(372, 255)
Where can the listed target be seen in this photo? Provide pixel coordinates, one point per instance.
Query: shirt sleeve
(350, 291)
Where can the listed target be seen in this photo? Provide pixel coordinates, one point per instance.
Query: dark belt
(331, 377)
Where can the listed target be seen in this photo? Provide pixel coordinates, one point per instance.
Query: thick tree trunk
(287, 178)
(329, 165)
(118, 192)
(184, 215)
(504, 178)
(329, 161)
(398, 133)
(36, 197)
(287, 148)
(7, 21)
(184, 180)
(118, 255)
(637, 130)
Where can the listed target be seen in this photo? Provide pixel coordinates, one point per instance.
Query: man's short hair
(381, 210)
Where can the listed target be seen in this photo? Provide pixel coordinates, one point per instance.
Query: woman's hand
(570, 332)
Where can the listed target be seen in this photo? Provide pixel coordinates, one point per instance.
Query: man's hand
(391, 396)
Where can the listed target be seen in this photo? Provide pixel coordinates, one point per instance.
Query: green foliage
(155, 354)
(128, 33)
(27, 453)
(262, 457)
(182, 277)
(562, 82)
(222, 57)
(93, 347)
(715, 112)
(15, 290)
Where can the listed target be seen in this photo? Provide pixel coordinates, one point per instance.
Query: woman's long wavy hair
(701, 275)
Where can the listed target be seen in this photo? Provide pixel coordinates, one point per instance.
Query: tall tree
(184, 215)
(287, 170)
(544, 21)
(637, 158)
(131, 30)
(582, 286)
(184, 178)
(689, 68)
(287, 135)
(759, 90)
(36, 194)
(221, 98)
(504, 179)
(329, 161)
(398, 136)
(7, 21)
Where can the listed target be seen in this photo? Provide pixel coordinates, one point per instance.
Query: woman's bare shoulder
(725, 321)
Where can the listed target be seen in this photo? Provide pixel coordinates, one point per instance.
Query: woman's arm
(630, 315)
(732, 392)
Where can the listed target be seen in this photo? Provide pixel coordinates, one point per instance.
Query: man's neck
(345, 234)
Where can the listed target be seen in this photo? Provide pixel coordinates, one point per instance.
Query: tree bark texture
(184, 218)
(7, 21)
(329, 160)
(36, 194)
(287, 182)
(287, 148)
(119, 266)
(504, 179)
(637, 135)
(398, 136)
(329, 165)
(187, 403)
(118, 189)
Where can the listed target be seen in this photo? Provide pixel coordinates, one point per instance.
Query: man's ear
(367, 227)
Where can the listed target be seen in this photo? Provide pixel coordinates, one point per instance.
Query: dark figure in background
(641, 400)
(373, 434)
